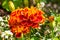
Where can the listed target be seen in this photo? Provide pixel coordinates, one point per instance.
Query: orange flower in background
(51, 18)
(22, 19)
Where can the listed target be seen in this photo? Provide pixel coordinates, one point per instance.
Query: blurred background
(46, 32)
(46, 5)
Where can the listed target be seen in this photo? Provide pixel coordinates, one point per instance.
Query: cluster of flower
(6, 34)
(22, 19)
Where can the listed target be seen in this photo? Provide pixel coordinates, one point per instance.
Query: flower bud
(11, 6)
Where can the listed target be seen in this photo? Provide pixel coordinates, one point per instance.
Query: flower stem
(22, 36)
(52, 32)
(3, 38)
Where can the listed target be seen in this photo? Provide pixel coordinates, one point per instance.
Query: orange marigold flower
(22, 19)
(51, 18)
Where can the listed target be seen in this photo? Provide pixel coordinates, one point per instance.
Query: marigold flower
(51, 18)
(22, 19)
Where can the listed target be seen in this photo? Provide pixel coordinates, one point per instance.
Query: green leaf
(32, 38)
(26, 3)
(52, 24)
(17, 3)
(55, 39)
(20, 38)
(0, 38)
(5, 5)
(58, 18)
(35, 38)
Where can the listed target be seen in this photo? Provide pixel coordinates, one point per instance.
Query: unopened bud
(11, 6)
